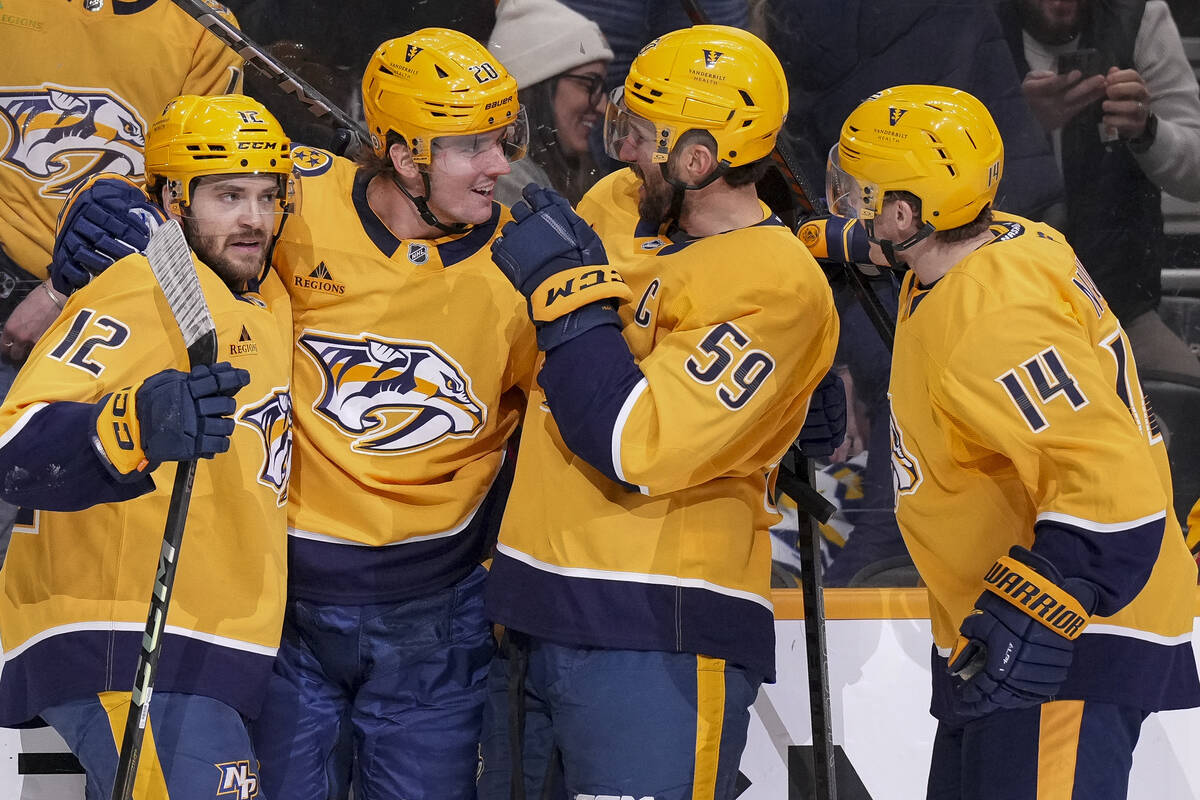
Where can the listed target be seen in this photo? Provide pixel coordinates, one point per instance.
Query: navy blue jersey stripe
(594, 612)
(79, 663)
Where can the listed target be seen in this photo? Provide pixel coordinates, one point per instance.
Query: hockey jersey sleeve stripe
(619, 428)
(588, 382)
(1099, 527)
(1129, 556)
(48, 462)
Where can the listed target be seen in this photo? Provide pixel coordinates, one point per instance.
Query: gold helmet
(223, 135)
(438, 82)
(709, 77)
(938, 143)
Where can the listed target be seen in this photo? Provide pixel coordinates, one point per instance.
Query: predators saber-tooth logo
(392, 396)
(57, 136)
(271, 417)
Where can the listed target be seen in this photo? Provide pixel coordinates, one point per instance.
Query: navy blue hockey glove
(105, 219)
(556, 260)
(1016, 646)
(170, 416)
(825, 425)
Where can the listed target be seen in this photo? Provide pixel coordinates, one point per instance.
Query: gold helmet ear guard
(222, 135)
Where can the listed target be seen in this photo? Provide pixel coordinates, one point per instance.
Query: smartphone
(1086, 59)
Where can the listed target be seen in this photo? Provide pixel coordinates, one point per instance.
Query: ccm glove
(836, 239)
(1015, 647)
(825, 425)
(170, 416)
(556, 260)
(105, 219)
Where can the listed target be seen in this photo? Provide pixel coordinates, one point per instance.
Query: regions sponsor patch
(320, 280)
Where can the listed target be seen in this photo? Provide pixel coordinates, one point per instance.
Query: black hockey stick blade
(171, 261)
(288, 81)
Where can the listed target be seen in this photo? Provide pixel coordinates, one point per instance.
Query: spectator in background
(558, 57)
(1123, 135)
(630, 24)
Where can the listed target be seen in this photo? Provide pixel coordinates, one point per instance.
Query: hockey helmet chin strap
(892, 249)
(422, 206)
(678, 187)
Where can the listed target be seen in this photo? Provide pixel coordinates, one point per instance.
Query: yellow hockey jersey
(411, 358)
(76, 584)
(80, 89)
(1018, 419)
(673, 554)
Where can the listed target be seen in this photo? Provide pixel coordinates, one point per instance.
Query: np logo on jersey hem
(320, 280)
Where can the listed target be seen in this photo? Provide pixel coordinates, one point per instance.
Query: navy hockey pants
(1063, 750)
(195, 747)
(625, 723)
(391, 693)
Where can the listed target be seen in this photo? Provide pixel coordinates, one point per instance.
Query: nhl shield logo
(418, 253)
(894, 115)
(711, 57)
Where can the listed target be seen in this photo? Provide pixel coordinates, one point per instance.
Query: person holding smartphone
(1111, 86)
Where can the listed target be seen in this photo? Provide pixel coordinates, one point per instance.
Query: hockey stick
(171, 260)
(288, 81)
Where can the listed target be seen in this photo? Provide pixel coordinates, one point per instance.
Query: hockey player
(411, 354)
(105, 400)
(1032, 482)
(633, 566)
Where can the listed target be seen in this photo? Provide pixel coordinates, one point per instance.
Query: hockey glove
(105, 219)
(1015, 647)
(170, 416)
(836, 239)
(825, 426)
(556, 260)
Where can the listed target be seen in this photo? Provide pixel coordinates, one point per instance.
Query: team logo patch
(59, 136)
(410, 52)
(418, 253)
(310, 161)
(906, 470)
(894, 115)
(237, 781)
(271, 417)
(392, 396)
(711, 57)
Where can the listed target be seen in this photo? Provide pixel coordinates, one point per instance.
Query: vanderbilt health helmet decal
(392, 396)
(57, 136)
(271, 416)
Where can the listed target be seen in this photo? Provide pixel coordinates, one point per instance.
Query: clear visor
(511, 142)
(844, 194)
(625, 133)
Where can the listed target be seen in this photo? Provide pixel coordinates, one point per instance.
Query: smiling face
(229, 224)
(579, 103)
(463, 173)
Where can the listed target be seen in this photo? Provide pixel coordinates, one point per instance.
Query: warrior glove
(556, 260)
(105, 219)
(1015, 647)
(170, 416)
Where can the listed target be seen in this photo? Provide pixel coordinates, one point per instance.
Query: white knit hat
(538, 39)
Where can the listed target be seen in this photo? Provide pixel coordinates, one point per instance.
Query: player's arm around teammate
(106, 399)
